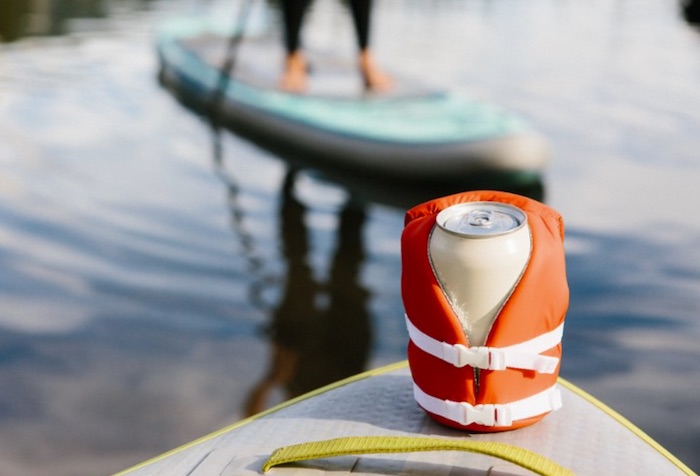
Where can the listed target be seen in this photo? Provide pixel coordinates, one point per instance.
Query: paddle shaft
(229, 62)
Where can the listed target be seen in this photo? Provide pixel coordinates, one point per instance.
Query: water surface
(162, 279)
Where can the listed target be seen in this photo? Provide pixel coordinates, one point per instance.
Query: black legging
(293, 12)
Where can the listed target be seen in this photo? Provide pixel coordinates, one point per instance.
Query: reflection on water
(151, 294)
(19, 18)
(316, 341)
(319, 332)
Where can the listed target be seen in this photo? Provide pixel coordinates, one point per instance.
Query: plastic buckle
(484, 414)
(460, 355)
(479, 357)
(453, 354)
(497, 359)
(456, 411)
(466, 414)
(503, 415)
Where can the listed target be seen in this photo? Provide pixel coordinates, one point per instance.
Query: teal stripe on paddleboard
(426, 119)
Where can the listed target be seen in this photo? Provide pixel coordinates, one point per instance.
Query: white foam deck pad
(581, 437)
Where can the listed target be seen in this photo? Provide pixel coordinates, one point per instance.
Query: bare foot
(374, 78)
(294, 75)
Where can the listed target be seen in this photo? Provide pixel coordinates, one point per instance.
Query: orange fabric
(537, 305)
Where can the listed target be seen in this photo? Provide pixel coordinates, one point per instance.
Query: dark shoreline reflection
(26, 18)
(22, 18)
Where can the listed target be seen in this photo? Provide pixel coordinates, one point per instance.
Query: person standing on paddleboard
(295, 71)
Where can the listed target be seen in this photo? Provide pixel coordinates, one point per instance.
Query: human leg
(294, 74)
(373, 77)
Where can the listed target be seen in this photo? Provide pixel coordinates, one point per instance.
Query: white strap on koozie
(503, 414)
(525, 355)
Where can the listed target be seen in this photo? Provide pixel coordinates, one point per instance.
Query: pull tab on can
(484, 219)
(481, 218)
(478, 251)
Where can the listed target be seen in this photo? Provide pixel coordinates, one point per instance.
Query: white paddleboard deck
(584, 436)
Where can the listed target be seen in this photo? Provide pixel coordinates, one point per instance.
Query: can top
(481, 219)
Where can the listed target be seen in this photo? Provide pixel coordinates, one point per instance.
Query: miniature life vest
(510, 381)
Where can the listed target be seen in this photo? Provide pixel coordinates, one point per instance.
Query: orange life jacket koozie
(492, 397)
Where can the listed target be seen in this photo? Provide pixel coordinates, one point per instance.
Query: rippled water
(154, 279)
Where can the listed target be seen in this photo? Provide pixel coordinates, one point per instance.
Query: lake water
(160, 280)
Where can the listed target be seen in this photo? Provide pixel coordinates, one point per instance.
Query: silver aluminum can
(479, 251)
